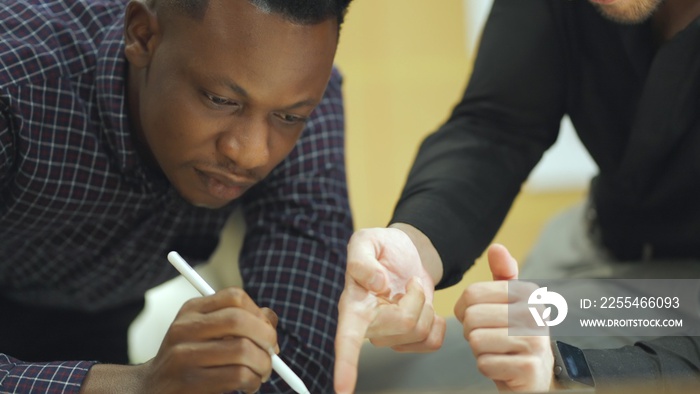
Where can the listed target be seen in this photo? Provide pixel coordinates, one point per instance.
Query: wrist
(429, 256)
(112, 378)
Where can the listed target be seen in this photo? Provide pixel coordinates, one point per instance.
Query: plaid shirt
(85, 225)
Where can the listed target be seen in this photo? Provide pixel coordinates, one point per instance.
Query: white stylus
(204, 289)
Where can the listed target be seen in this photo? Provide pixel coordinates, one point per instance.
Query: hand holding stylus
(247, 318)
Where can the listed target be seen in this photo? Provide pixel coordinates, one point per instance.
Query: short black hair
(303, 12)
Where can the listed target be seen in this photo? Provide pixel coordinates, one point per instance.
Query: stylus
(204, 289)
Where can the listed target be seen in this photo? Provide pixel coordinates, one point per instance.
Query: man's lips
(223, 186)
(227, 179)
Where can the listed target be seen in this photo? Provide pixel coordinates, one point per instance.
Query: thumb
(363, 265)
(503, 266)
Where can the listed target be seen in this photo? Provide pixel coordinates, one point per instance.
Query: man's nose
(246, 142)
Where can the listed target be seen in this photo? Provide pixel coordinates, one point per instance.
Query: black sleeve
(660, 365)
(467, 174)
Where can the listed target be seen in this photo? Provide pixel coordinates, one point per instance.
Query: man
(130, 130)
(627, 72)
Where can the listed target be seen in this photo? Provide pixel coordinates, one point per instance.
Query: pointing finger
(356, 311)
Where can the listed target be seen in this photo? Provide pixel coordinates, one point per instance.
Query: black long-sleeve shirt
(634, 105)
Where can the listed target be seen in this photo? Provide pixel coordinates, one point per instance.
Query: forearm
(459, 191)
(660, 363)
(467, 174)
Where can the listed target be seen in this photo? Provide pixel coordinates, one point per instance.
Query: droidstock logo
(543, 297)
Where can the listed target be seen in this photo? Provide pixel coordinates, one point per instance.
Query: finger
(517, 372)
(430, 344)
(400, 318)
(417, 334)
(226, 298)
(228, 322)
(271, 316)
(503, 266)
(363, 266)
(481, 293)
(356, 310)
(248, 354)
(223, 380)
(273, 319)
(228, 367)
(485, 316)
(496, 341)
(223, 352)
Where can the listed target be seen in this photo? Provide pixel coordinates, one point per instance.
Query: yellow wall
(406, 63)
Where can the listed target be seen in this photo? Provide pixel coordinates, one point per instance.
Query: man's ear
(140, 34)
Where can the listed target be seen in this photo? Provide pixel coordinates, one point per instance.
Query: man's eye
(221, 101)
(291, 119)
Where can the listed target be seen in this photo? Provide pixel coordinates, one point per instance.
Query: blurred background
(405, 65)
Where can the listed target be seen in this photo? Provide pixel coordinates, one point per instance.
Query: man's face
(223, 100)
(627, 11)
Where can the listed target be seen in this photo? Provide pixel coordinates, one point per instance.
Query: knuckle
(242, 345)
(178, 329)
(470, 319)
(176, 326)
(466, 293)
(361, 234)
(358, 237)
(466, 332)
(521, 347)
(234, 295)
(475, 339)
(471, 292)
(250, 346)
(231, 318)
(271, 316)
(422, 331)
(472, 336)
(433, 344)
(408, 322)
(188, 306)
(182, 353)
(528, 365)
(482, 364)
(245, 380)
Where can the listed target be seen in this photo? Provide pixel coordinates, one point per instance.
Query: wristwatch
(570, 366)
